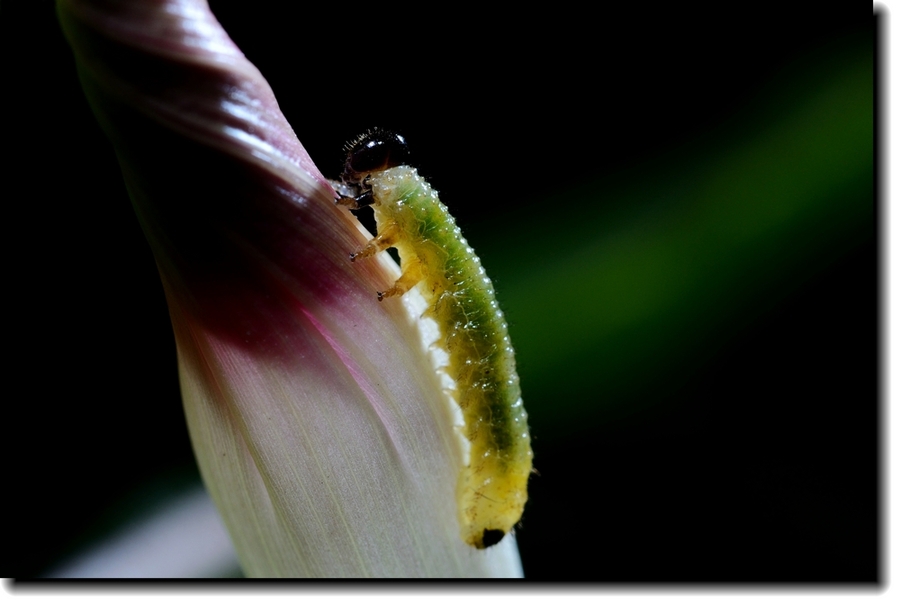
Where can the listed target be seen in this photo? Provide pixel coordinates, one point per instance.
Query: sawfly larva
(492, 489)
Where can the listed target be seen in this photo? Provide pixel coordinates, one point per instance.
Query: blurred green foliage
(613, 286)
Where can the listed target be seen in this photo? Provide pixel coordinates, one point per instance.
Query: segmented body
(492, 489)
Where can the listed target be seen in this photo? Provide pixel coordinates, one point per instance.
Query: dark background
(754, 457)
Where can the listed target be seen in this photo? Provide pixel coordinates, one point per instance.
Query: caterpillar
(492, 488)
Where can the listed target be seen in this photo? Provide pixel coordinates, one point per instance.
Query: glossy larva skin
(492, 490)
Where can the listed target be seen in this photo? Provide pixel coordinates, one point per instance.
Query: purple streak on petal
(362, 379)
(228, 197)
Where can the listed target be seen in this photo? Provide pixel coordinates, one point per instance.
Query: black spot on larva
(491, 537)
(377, 149)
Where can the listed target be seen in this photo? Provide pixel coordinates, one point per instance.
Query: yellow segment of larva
(492, 489)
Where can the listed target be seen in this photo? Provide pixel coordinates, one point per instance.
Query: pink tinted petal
(319, 424)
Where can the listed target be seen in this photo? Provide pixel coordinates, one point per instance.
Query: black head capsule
(375, 150)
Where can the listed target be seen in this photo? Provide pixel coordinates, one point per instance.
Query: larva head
(375, 150)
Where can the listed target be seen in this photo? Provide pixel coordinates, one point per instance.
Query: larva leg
(382, 241)
(413, 273)
(346, 201)
(354, 203)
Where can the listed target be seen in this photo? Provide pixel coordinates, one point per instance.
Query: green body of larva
(492, 489)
